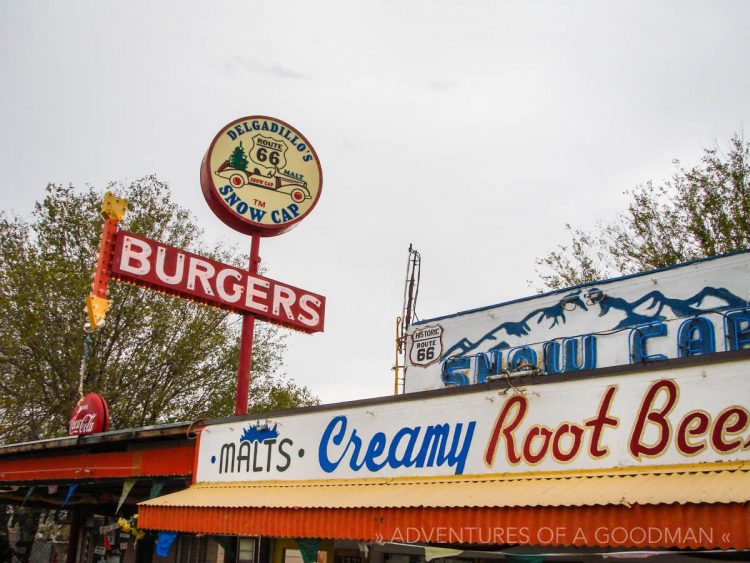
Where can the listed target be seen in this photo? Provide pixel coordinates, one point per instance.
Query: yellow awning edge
(726, 485)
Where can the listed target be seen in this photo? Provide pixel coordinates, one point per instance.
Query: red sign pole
(246, 341)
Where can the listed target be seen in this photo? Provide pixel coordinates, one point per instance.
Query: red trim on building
(688, 526)
(138, 463)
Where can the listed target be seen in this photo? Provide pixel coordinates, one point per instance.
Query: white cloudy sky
(474, 130)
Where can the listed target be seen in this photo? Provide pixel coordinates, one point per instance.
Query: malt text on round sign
(261, 176)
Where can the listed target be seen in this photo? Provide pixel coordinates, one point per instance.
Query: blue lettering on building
(737, 329)
(568, 355)
(572, 354)
(436, 445)
(259, 450)
(454, 370)
(521, 357)
(639, 338)
(462, 364)
(695, 337)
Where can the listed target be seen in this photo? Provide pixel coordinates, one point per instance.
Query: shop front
(605, 420)
(634, 461)
(86, 489)
(649, 458)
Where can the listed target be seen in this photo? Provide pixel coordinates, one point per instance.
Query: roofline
(579, 286)
(181, 429)
(500, 385)
(170, 430)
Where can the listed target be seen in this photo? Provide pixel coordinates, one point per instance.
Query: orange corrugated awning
(146, 462)
(682, 508)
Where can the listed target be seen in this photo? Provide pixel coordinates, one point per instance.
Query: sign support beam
(246, 341)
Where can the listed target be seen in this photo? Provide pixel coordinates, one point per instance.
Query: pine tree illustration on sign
(238, 160)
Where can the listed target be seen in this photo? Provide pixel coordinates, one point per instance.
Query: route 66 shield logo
(426, 345)
(267, 154)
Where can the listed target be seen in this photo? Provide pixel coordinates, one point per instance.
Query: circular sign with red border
(90, 416)
(261, 176)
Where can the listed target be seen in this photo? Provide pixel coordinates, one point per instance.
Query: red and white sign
(159, 266)
(90, 416)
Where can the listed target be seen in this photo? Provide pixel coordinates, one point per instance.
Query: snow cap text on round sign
(261, 176)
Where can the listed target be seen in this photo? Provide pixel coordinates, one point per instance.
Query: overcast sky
(474, 130)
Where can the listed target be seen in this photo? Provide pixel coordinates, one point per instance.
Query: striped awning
(693, 507)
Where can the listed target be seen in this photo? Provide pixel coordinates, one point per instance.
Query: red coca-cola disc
(90, 416)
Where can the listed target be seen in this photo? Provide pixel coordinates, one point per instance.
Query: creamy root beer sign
(687, 415)
(261, 176)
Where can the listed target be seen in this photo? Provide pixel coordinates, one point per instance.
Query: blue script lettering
(432, 446)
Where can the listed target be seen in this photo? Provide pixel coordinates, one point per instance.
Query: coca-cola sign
(90, 416)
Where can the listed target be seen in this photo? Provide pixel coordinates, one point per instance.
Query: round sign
(261, 176)
(90, 416)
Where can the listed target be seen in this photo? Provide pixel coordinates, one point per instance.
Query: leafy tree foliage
(157, 358)
(701, 211)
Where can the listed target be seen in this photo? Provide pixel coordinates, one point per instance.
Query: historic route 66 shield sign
(426, 345)
(268, 155)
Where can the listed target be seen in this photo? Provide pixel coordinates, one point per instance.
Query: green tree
(238, 159)
(157, 358)
(701, 211)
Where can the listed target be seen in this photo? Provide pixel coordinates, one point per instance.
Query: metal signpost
(261, 177)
